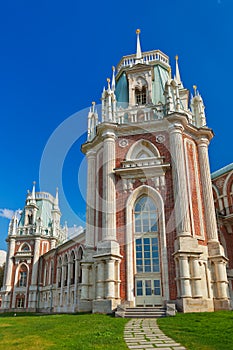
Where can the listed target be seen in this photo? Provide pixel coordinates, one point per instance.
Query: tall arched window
(72, 268)
(22, 281)
(146, 243)
(145, 215)
(140, 96)
(65, 280)
(59, 273)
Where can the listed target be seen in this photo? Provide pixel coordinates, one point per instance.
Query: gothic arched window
(140, 96)
(72, 268)
(145, 215)
(22, 282)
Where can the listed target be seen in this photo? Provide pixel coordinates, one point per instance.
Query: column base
(195, 305)
(105, 306)
(222, 304)
(84, 306)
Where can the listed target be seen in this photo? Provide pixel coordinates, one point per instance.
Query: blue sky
(55, 57)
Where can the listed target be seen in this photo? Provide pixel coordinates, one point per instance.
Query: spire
(195, 90)
(93, 107)
(113, 79)
(177, 76)
(139, 51)
(109, 89)
(56, 200)
(33, 196)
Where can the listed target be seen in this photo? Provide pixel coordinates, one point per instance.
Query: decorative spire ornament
(177, 76)
(139, 51)
(113, 79)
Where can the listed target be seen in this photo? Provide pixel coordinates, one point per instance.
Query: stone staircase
(140, 312)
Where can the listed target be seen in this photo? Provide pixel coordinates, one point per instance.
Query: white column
(91, 191)
(110, 280)
(210, 217)
(221, 279)
(9, 262)
(85, 281)
(179, 181)
(117, 276)
(196, 279)
(184, 277)
(100, 280)
(109, 192)
(35, 261)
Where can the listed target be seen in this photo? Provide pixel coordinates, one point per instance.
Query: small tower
(151, 230)
(31, 234)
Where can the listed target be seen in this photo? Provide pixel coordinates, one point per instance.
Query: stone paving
(140, 334)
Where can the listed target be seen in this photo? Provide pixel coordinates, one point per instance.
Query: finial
(93, 103)
(177, 76)
(33, 191)
(195, 89)
(108, 80)
(113, 79)
(169, 72)
(56, 200)
(93, 106)
(139, 51)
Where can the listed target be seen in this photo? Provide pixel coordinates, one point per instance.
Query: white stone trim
(155, 195)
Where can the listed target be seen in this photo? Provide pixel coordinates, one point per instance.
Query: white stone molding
(160, 138)
(211, 225)
(155, 195)
(123, 143)
(179, 181)
(225, 198)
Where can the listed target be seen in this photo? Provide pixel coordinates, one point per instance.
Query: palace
(156, 234)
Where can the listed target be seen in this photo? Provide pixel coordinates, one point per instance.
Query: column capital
(203, 141)
(176, 128)
(109, 134)
(91, 153)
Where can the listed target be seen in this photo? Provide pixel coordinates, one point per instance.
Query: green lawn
(201, 331)
(81, 332)
(197, 331)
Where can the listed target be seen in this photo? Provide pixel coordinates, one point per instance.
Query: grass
(81, 332)
(201, 331)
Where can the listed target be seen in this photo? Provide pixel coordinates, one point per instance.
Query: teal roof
(160, 79)
(222, 171)
(122, 90)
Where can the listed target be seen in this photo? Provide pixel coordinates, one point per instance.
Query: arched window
(51, 272)
(23, 272)
(59, 268)
(146, 239)
(140, 96)
(145, 215)
(72, 268)
(25, 248)
(65, 270)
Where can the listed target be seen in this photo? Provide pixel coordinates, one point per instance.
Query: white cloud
(6, 213)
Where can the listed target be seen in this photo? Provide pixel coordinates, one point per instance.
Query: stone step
(141, 312)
